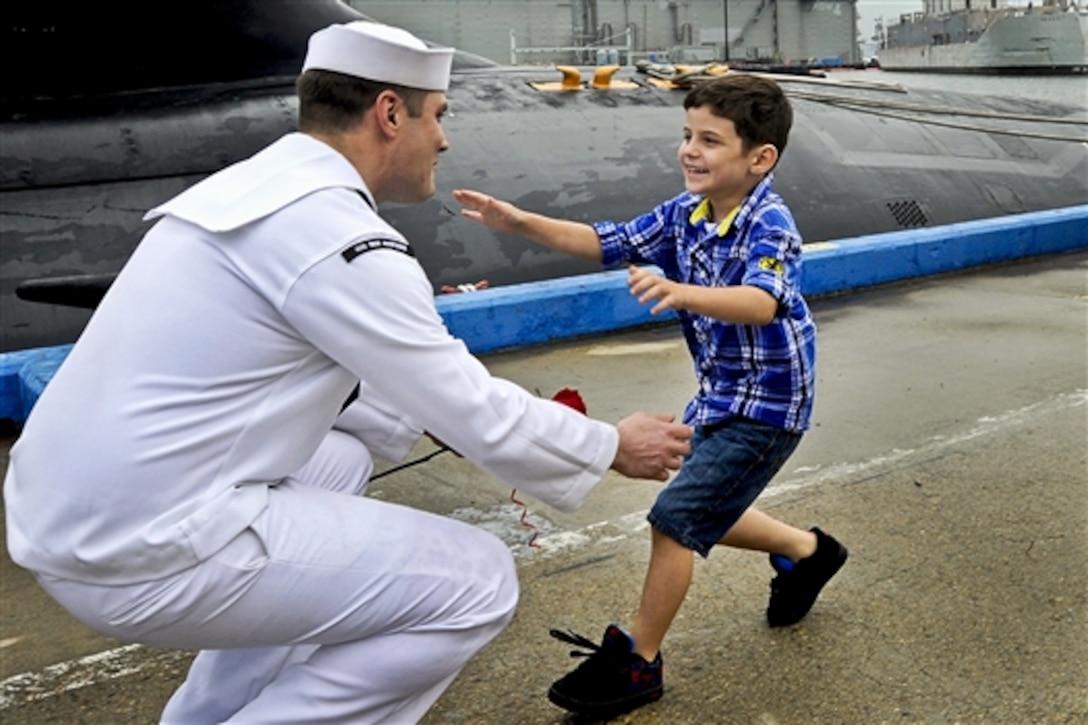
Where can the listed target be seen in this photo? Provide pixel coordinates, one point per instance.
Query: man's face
(422, 140)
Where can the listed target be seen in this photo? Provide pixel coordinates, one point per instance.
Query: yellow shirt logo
(772, 264)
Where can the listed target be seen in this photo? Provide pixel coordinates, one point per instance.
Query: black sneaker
(794, 590)
(612, 681)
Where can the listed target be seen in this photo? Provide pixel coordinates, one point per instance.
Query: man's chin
(427, 192)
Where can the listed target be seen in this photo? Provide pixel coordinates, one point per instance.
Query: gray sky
(870, 10)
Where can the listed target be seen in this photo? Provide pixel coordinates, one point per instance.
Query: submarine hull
(78, 173)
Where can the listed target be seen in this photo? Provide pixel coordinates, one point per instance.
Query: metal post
(513, 48)
(725, 29)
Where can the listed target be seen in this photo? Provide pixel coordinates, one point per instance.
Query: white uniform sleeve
(376, 317)
(373, 422)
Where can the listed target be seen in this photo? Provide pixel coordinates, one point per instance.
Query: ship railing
(611, 52)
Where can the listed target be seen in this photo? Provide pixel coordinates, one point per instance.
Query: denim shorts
(729, 466)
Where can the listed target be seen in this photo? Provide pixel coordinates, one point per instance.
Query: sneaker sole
(606, 709)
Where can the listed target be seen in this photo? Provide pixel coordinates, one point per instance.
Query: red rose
(571, 398)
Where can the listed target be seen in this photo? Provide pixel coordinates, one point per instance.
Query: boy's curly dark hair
(756, 105)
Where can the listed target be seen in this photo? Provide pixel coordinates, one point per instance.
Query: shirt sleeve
(376, 317)
(381, 429)
(774, 261)
(646, 239)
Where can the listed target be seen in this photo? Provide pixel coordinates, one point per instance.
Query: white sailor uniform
(181, 481)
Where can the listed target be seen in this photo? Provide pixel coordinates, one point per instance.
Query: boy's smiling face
(715, 162)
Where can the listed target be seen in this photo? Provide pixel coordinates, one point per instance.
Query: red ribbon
(572, 399)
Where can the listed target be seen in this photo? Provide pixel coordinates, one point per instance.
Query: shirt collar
(285, 171)
(702, 211)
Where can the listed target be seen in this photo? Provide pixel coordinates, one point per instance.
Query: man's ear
(387, 107)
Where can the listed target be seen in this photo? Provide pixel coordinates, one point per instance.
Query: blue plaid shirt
(763, 372)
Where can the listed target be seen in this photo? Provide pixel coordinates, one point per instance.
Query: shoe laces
(605, 660)
(577, 640)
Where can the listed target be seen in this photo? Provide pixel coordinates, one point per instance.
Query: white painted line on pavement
(985, 426)
(70, 675)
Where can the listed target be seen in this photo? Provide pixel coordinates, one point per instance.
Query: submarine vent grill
(908, 214)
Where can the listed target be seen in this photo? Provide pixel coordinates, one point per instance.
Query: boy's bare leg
(671, 564)
(757, 531)
(667, 580)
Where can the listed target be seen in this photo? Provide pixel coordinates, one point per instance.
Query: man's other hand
(651, 445)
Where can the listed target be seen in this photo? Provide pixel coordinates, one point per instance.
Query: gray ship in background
(988, 36)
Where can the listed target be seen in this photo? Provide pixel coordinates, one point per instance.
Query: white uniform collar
(284, 172)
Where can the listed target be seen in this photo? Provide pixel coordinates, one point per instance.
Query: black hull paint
(79, 170)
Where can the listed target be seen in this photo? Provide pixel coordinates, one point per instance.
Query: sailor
(189, 479)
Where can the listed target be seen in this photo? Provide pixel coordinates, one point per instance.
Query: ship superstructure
(546, 32)
(988, 36)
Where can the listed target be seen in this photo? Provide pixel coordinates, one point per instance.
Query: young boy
(731, 256)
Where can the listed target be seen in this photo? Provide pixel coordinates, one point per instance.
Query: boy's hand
(649, 286)
(651, 445)
(577, 238)
(502, 216)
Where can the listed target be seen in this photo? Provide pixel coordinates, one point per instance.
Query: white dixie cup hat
(381, 53)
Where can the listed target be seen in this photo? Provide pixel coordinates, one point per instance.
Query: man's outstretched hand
(651, 445)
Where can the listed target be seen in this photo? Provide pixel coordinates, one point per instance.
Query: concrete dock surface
(949, 453)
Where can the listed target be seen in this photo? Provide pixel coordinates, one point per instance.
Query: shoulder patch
(372, 244)
(773, 265)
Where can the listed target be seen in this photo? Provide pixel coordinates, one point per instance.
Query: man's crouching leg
(363, 611)
(329, 608)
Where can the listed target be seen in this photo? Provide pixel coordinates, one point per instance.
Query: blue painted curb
(540, 312)
(849, 264)
(23, 376)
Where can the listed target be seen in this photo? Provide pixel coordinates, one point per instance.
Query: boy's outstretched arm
(740, 304)
(574, 238)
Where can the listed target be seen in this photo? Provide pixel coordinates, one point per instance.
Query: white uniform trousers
(330, 608)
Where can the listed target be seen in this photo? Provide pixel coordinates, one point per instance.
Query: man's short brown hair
(756, 105)
(331, 102)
